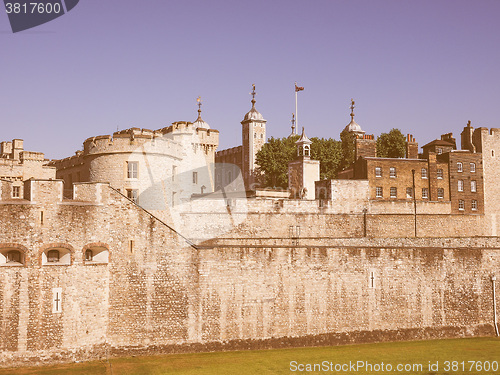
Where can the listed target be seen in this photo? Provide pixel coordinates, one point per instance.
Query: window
(195, 177)
(394, 192)
(425, 193)
(11, 257)
(371, 282)
(89, 255)
(474, 205)
(460, 185)
(473, 167)
(255, 135)
(473, 187)
(56, 300)
(262, 136)
(14, 256)
(409, 192)
(132, 195)
(493, 153)
(392, 172)
(53, 256)
(440, 174)
(460, 167)
(461, 205)
(378, 192)
(424, 172)
(378, 172)
(439, 150)
(58, 256)
(97, 254)
(132, 169)
(173, 198)
(16, 191)
(440, 193)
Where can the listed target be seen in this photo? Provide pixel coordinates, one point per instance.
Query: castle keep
(129, 247)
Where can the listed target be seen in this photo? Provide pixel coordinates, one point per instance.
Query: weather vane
(199, 102)
(253, 93)
(352, 107)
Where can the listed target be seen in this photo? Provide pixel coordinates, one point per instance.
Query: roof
(353, 127)
(439, 142)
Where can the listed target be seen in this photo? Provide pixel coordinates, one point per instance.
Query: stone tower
(303, 172)
(253, 137)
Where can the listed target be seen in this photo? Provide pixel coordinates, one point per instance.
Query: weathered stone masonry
(155, 293)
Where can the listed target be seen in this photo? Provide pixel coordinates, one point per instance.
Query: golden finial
(352, 108)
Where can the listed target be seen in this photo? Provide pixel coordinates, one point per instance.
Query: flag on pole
(298, 88)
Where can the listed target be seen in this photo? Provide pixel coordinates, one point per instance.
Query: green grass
(278, 361)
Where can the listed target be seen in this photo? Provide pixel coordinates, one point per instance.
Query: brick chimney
(411, 147)
(366, 146)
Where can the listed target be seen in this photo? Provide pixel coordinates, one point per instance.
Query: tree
(273, 159)
(348, 140)
(391, 145)
(329, 153)
(274, 156)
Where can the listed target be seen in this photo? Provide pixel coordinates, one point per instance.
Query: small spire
(253, 93)
(198, 100)
(352, 109)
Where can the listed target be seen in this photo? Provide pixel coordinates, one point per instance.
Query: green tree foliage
(348, 149)
(329, 153)
(391, 145)
(273, 159)
(274, 156)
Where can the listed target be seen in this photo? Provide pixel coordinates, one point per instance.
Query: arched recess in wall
(13, 255)
(56, 254)
(96, 253)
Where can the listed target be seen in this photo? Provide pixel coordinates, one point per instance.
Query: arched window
(60, 256)
(11, 257)
(89, 255)
(95, 254)
(307, 150)
(53, 256)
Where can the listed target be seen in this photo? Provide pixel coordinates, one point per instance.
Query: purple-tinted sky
(425, 67)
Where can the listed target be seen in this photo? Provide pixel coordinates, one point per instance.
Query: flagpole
(296, 113)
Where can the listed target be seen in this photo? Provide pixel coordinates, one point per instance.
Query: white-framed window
(474, 205)
(460, 185)
(409, 192)
(16, 191)
(460, 167)
(378, 171)
(440, 174)
(132, 194)
(132, 169)
(394, 192)
(195, 177)
(439, 150)
(378, 192)
(425, 193)
(96, 255)
(392, 172)
(424, 172)
(461, 205)
(56, 257)
(440, 193)
(473, 186)
(11, 257)
(473, 167)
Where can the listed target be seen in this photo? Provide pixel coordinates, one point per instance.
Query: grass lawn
(280, 361)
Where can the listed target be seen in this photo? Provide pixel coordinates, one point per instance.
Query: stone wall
(253, 287)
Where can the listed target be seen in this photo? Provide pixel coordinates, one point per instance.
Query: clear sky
(425, 67)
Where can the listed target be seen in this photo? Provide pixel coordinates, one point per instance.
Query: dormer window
(439, 150)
